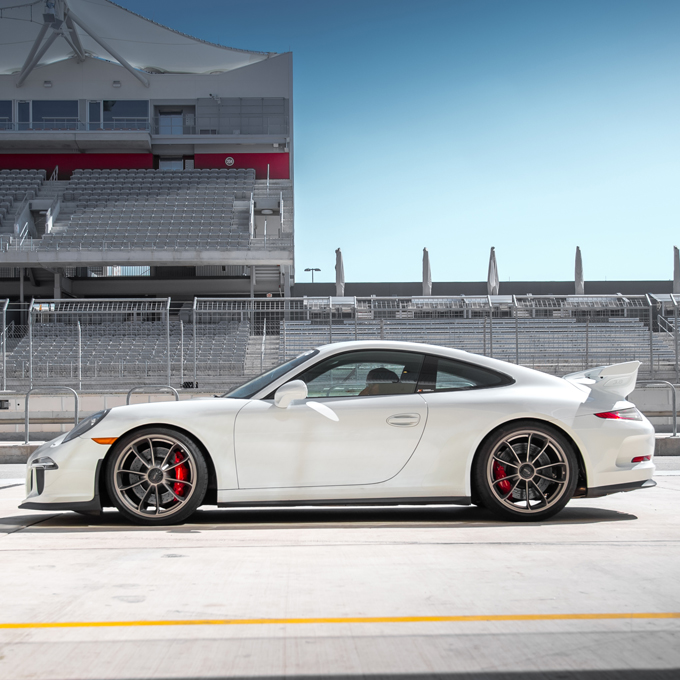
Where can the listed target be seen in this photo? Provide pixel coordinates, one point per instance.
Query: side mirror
(295, 389)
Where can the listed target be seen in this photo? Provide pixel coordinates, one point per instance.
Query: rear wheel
(156, 476)
(525, 472)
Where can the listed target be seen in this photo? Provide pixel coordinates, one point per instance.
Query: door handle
(404, 420)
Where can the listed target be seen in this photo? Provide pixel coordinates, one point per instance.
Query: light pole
(312, 269)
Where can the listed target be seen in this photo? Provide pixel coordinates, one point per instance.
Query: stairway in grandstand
(139, 209)
(15, 186)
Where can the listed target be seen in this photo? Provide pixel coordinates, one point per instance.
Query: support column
(252, 281)
(57, 284)
(286, 280)
(22, 313)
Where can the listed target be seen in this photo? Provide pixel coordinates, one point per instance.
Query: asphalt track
(427, 592)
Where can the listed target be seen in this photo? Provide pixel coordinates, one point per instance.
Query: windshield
(253, 386)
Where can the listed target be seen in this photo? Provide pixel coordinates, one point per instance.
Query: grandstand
(121, 178)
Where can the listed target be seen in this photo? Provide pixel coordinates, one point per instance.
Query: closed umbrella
(339, 274)
(579, 285)
(492, 282)
(427, 273)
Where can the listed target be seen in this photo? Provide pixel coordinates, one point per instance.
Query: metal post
(264, 339)
(4, 347)
(675, 333)
(491, 332)
(80, 358)
(514, 308)
(330, 319)
(181, 353)
(484, 352)
(167, 337)
(587, 341)
(651, 337)
(30, 348)
(193, 313)
(356, 329)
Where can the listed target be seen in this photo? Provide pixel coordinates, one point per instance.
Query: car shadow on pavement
(305, 517)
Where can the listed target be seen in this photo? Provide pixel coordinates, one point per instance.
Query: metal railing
(47, 390)
(673, 390)
(187, 124)
(66, 124)
(151, 389)
(131, 342)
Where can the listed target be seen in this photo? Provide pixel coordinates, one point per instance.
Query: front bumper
(72, 483)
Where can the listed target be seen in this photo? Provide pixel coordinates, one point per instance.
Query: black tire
(156, 476)
(525, 471)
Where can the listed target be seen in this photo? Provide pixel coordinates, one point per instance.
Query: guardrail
(47, 390)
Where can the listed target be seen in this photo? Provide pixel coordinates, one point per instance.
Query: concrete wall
(386, 289)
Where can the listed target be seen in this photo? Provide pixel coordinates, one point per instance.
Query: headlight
(84, 425)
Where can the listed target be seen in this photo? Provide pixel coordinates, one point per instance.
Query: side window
(363, 374)
(457, 375)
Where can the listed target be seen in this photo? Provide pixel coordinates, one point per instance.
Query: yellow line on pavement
(345, 619)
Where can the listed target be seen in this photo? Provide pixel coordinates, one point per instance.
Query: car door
(360, 424)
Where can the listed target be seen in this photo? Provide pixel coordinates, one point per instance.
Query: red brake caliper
(181, 473)
(499, 473)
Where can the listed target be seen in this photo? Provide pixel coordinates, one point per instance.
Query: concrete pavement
(189, 601)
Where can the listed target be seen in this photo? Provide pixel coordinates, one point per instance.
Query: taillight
(622, 414)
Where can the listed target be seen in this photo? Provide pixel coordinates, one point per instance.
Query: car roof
(517, 372)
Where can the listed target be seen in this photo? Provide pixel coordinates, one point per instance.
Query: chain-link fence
(213, 343)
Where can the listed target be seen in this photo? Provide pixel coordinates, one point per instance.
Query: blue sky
(532, 126)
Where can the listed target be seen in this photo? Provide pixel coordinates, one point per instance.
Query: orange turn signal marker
(105, 440)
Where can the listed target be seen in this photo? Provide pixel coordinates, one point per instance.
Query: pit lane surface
(398, 592)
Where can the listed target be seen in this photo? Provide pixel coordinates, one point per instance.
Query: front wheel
(525, 472)
(156, 476)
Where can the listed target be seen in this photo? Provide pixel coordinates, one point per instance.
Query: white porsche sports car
(360, 423)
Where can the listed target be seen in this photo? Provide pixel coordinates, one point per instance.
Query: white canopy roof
(140, 42)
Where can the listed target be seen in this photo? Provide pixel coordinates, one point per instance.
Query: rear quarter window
(444, 375)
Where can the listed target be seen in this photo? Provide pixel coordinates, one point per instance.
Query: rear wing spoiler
(617, 380)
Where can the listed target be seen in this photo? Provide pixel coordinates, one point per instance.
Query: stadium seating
(129, 350)
(553, 345)
(140, 209)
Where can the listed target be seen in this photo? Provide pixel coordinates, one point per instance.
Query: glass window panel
(170, 164)
(55, 114)
(126, 114)
(24, 114)
(170, 124)
(361, 374)
(256, 384)
(454, 375)
(95, 115)
(5, 115)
